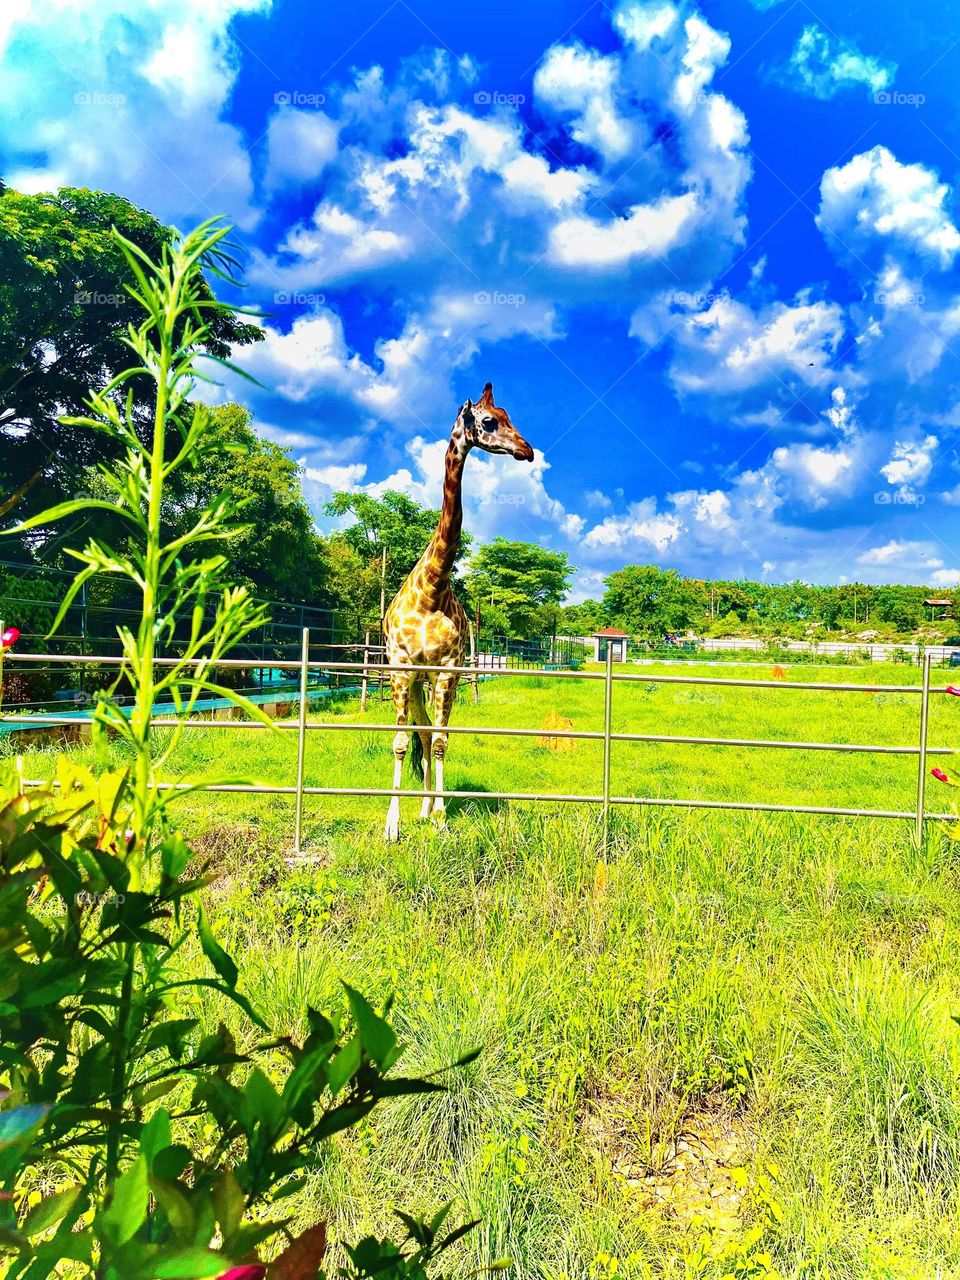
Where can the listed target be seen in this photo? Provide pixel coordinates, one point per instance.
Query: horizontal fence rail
(300, 692)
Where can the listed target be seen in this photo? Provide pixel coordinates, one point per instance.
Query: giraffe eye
(488, 424)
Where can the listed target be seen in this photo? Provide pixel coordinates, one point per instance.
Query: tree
(394, 523)
(580, 619)
(64, 311)
(646, 600)
(281, 556)
(518, 586)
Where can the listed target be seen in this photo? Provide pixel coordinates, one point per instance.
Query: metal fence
(609, 678)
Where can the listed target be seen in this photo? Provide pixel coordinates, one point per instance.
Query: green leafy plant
(133, 1144)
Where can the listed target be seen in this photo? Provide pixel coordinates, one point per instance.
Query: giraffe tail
(419, 713)
(416, 757)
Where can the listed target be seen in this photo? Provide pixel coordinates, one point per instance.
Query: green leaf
(376, 1034)
(236, 996)
(127, 1210)
(52, 514)
(215, 953)
(155, 1135)
(229, 1203)
(176, 1207)
(49, 1211)
(190, 1264)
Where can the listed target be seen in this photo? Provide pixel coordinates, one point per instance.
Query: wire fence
(310, 675)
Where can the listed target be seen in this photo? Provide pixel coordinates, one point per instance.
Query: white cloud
(642, 524)
(300, 144)
(646, 231)
(874, 205)
(728, 347)
(822, 65)
(573, 79)
(910, 464)
(902, 554)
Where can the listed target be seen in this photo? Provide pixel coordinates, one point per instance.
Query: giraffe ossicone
(426, 626)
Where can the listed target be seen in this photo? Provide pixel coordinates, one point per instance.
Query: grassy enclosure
(727, 1050)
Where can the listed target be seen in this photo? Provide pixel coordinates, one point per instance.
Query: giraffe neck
(441, 552)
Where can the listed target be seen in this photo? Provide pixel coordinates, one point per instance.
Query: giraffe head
(489, 428)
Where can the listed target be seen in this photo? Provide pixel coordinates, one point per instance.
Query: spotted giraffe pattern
(426, 625)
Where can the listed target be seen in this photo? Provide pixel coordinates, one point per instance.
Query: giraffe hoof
(391, 829)
(426, 809)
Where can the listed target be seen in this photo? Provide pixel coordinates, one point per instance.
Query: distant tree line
(651, 602)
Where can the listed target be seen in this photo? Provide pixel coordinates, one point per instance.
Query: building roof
(939, 604)
(612, 631)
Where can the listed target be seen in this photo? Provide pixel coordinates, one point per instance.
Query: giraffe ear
(466, 412)
(487, 398)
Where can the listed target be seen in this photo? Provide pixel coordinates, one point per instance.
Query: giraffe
(426, 625)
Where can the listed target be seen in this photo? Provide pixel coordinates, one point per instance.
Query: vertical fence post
(301, 738)
(607, 708)
(363, 683)
(922, 758)
(475, 678)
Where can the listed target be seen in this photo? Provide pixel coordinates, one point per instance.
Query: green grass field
(727, 1050)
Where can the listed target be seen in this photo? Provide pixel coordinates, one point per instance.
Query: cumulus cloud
(300, 144)
(822, 65)
(910, 465)
(902, 554)
(763, 355)
(873, 206)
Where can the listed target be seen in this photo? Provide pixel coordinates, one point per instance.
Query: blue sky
(707, 254)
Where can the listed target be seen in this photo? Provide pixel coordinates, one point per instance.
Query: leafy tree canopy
(64, 310)
(518, 585)
(281, 555)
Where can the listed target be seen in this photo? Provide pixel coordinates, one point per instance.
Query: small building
(612, 639)
(943, 607)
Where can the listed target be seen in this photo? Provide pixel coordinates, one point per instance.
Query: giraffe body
(426, 625)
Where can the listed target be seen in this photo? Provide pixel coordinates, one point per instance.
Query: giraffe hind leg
(418, 714)
(444, 696)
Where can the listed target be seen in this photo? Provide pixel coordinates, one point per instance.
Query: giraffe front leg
(444, 696)
(401, 701)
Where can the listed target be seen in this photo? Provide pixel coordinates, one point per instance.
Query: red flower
(9, 637)
(252, 1272)
(939, 775)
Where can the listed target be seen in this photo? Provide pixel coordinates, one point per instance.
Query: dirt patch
(688, 1161)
